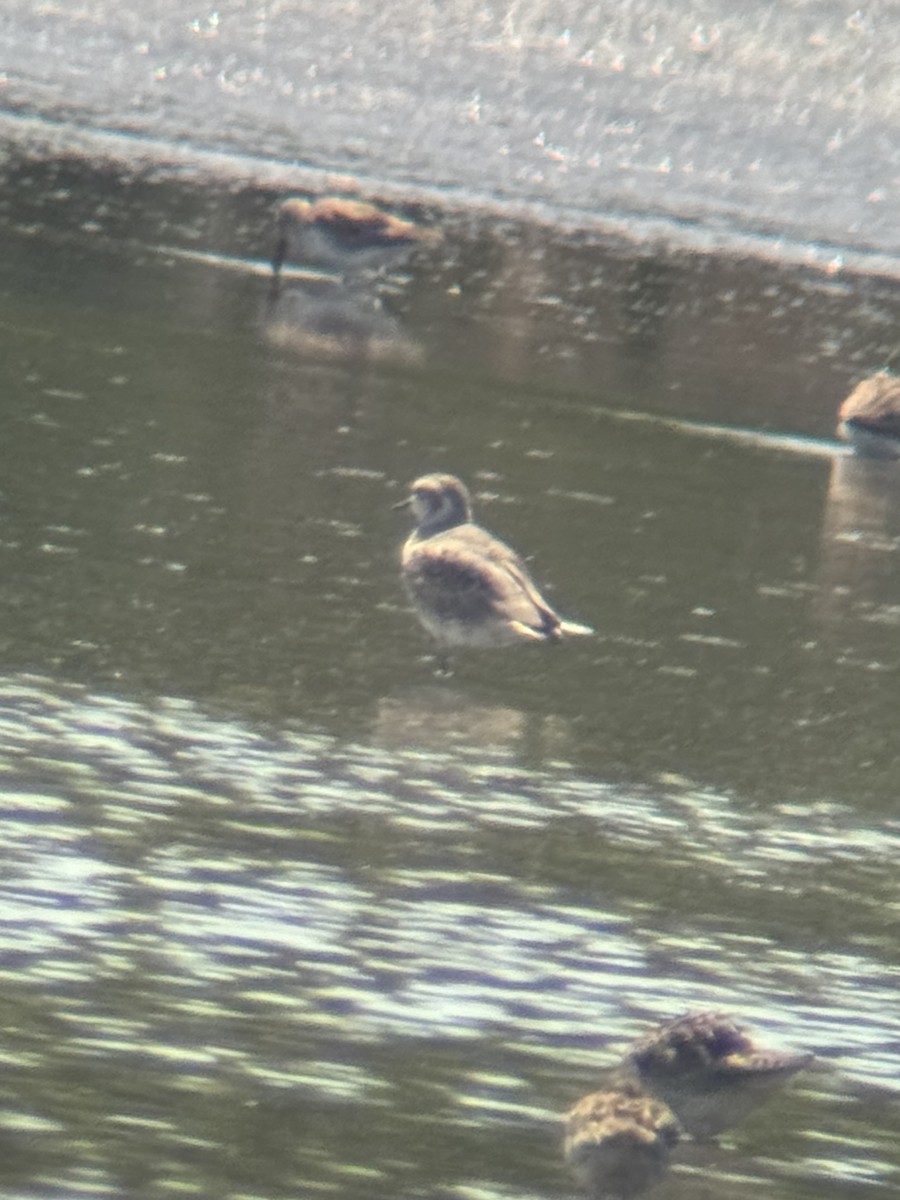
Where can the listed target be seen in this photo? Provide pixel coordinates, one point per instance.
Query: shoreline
(39, 139)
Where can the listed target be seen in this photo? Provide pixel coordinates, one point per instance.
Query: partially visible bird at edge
(869, 419)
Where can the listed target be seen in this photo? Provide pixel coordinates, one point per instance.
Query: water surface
(283, 913)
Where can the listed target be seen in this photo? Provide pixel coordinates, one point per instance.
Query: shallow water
(284, 914)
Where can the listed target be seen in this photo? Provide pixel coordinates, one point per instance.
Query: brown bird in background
(618, 1141)
(709, 1070)
(343, 235)
(870, 417)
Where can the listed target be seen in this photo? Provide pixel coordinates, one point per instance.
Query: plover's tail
(574, 629)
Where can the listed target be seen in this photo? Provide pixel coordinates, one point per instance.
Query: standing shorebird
(343, 235)
(709, 1070)
(618, 1141)
(469, 589)
(870, 417)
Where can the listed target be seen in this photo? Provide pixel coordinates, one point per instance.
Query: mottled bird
(709, 1070)
(343, 235)
(468, 588)
(618, 1141)
(870, 417)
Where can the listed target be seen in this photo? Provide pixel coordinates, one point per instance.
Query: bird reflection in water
(340, 325)
(856, 577)
(437, 717)
(860, 538)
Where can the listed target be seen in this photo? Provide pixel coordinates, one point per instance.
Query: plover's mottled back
(343, 235)
(870, 417)
(618, 1141)
(469, 589)
(709, 1070)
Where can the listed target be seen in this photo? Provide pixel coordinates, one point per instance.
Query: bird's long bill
(765, 1066)
(403, 503)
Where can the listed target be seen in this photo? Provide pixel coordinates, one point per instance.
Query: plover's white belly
(481, 635)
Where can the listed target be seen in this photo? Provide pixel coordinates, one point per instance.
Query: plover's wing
(373, 228)
(452, 579)
(505, 559)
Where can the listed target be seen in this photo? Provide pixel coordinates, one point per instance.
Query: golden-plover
(343, 235)
(870, 417)
(709, 1070)
(618, 1141)
(469, 589)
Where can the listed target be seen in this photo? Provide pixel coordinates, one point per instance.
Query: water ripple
(191, 897)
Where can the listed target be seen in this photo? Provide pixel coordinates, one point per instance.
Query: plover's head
(438, 502)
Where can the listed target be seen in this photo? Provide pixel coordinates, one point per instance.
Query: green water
(287, 915)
